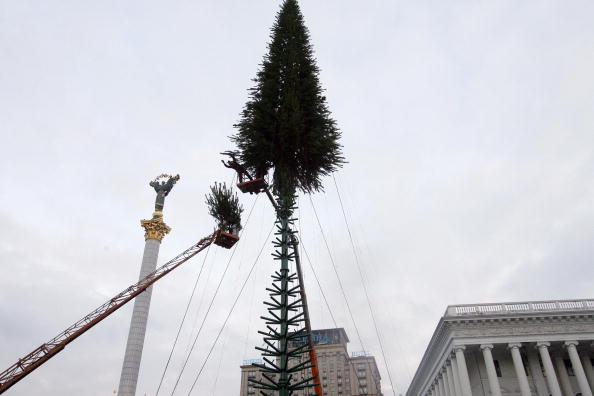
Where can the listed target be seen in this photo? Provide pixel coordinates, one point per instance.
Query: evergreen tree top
(224, 206)
(286, 125)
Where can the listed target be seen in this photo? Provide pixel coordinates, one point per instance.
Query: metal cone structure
(286, 353)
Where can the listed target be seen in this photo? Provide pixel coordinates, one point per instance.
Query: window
(526, 367)
(497, 368)
(569, 367)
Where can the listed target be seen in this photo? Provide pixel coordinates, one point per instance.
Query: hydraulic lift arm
(27, 364)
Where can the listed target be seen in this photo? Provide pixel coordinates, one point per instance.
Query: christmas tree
(286, 128)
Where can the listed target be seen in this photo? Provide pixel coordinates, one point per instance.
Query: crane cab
(225, 239)
(252, 186)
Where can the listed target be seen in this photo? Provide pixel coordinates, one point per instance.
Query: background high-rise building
(341, 374)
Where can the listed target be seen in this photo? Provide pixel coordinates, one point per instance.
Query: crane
(28, 363)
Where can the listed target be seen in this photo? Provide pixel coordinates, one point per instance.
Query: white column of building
(450, 378)
(491, 372)
(446, 382)
(441, 385)
(463, 370)
(563, 377)
(587, 363)
(456, 375)
(543, 349)
(436, 387)
(519, 366)
(577, 368)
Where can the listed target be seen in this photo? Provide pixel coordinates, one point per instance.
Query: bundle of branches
(224, 206)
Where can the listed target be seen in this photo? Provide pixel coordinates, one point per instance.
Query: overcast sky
(468, 126)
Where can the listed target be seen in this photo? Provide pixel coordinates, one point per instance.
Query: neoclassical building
(538, 348)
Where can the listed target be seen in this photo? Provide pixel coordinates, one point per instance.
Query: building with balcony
(341, 374)
(538, 348)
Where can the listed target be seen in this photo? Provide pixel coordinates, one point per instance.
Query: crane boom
(27, 364)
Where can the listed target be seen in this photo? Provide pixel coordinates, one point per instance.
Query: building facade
(538, 348)
(341, 374)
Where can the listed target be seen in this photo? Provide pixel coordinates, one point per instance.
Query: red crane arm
(27, 364)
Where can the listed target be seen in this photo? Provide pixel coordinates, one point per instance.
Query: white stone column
(577, 368)
(491, 372)
(456, 375)
(446, 382)
(436, 387)
(441, 385)
(450, 378)
(463, 370)
(587, 363)
(543, 349)
(155, 230)
(563, 377)
(519, 366)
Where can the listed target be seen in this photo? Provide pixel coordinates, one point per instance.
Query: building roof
(333, 336)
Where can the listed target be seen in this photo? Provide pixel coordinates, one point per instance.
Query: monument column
(155, 229)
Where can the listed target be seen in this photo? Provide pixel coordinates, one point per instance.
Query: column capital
(571, 342)
(448, 363)
(543, 344)
(459, 348)
(155, 228)
(513, 345)
(486, 346)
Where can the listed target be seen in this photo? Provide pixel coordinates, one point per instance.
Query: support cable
(339, 282)
(317, 281)
(300, 239)
(212, 301)
(183, 320)
(200, 303)
(371, 311)
(231, 310)
(247, 334)
(336, 272)
(225, 339)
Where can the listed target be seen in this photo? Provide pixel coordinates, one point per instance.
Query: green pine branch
(224, 206)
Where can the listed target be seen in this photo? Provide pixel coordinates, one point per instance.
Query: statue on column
(162, 185)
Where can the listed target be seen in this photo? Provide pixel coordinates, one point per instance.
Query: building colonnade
(453, 379)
